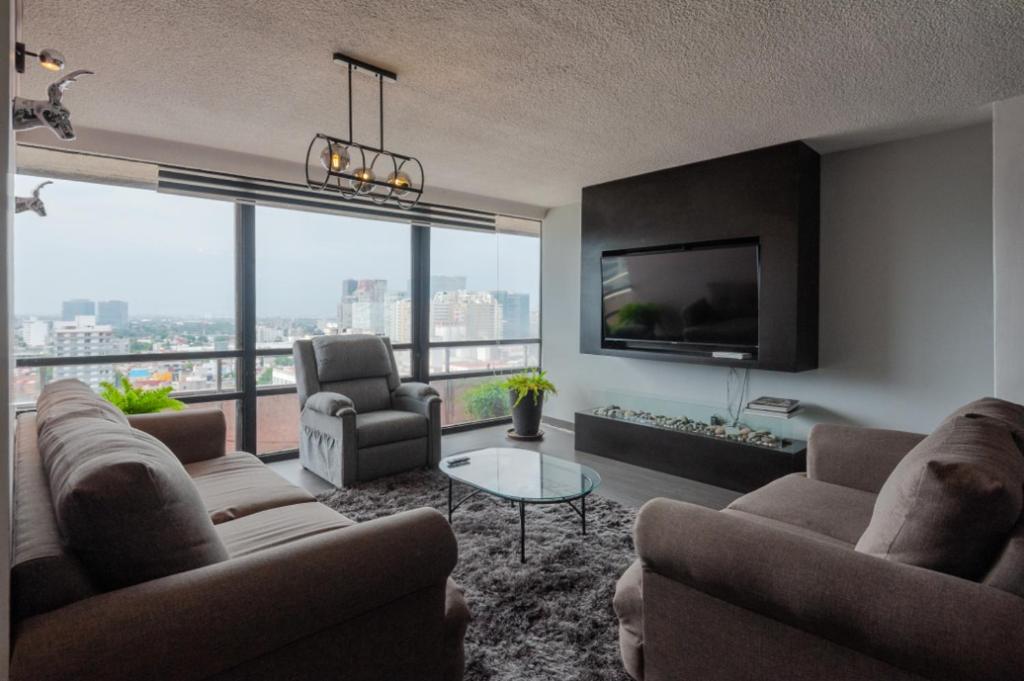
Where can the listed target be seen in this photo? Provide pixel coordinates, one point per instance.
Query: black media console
(717, 461)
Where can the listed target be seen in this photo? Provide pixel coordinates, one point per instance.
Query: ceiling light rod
(352, 169)
(360, 65)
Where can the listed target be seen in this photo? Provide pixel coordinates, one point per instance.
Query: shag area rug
(550, 619)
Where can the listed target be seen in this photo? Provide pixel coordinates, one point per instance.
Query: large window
(322, 274)
(127, 282)
(484, 318)
(115, 271)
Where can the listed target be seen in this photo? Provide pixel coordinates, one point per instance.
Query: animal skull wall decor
(51, 113)
(32, 203)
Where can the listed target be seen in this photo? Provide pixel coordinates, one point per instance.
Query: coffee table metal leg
(522, 532)
(449, 501)
(583, 505)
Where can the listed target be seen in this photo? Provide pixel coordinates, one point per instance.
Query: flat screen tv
(696, 298)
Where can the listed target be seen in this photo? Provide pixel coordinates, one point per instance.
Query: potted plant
(132, 400)
(526, 393)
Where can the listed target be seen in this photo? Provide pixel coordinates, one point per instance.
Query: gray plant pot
(526, 415)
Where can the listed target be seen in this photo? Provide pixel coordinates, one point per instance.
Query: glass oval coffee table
(523, 477)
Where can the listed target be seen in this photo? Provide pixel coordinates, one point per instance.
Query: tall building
(113, 313)
(363, 306)
(34, 332)
(400, 320)
(483, 316)
(441, 282)
(462, 315)
(445, 317)
(515, 314)
(79, 307)
(83, 337)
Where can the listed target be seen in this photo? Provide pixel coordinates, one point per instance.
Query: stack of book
(779, 407)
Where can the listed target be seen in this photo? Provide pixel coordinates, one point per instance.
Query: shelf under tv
(743, 354)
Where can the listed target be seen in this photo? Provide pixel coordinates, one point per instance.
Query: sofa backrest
(360, 367)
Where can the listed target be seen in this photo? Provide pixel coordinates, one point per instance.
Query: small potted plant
(132, 400)
(526, 393)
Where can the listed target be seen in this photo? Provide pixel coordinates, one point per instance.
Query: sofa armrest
(193, 434)
(198, 623)
(423, 399)
(850, 456)
(925, 622)
(414, 396)
(331, 404)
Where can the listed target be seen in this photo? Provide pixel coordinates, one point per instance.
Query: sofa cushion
(44, 574)
(366, 394)
(837, 512)
(343, 358)
(279, 526)
(1007, 573)
(70, 399)
(239, 484)
(388, 425)
(786, 527)
(124, 503)
(951, 503)
(1008, 414)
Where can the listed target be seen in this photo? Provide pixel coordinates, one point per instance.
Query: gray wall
(1008, 245)
(906, 296)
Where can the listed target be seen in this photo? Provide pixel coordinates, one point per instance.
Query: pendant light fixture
(351, 169)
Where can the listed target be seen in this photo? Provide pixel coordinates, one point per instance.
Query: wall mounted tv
(697, 298)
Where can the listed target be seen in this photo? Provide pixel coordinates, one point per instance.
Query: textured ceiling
(529, 101)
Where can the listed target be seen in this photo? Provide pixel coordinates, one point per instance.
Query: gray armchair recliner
(358, 420)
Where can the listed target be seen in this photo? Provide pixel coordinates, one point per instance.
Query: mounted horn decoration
(51, 112)
(351, 169)
(32, 203)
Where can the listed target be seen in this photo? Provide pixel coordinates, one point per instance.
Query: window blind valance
(287, 195)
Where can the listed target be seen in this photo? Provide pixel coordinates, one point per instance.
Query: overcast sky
(174, 256)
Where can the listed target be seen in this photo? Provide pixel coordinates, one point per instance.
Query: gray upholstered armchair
(358, 420)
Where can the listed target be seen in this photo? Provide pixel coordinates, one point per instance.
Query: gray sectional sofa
(143, 551)
(897, 556)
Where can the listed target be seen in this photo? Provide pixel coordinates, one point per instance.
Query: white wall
(906, 295)
(1008, 245)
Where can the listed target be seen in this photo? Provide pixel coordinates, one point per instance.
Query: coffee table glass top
(523, 475)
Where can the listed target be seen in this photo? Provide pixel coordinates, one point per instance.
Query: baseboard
(559, 423)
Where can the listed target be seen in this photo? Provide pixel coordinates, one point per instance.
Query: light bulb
(400, 182)
(362, 182)
(51, 60)
(334, 158)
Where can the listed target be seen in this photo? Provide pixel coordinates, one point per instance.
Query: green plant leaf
(533, 383)
(132, 400)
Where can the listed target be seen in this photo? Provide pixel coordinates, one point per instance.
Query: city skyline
(180, 262)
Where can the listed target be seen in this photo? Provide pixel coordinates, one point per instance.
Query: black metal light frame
(349, 185)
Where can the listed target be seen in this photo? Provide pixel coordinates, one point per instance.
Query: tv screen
(688, 298)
